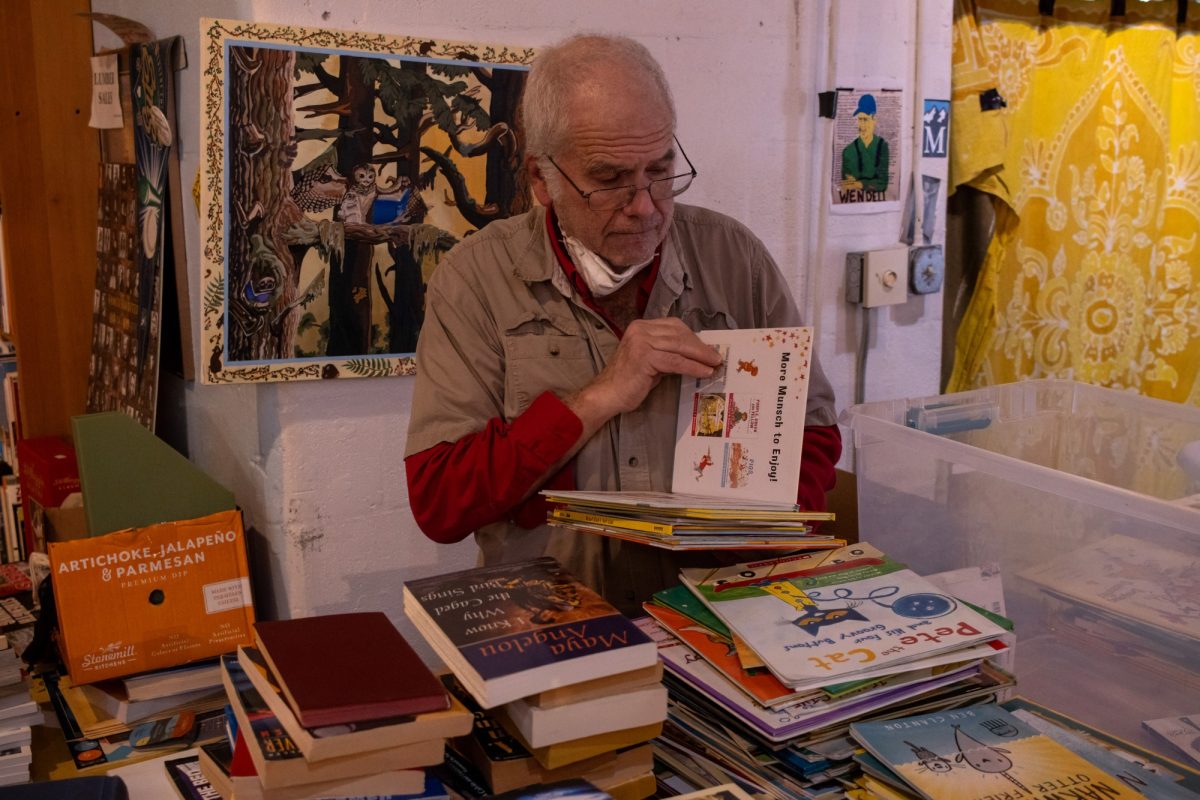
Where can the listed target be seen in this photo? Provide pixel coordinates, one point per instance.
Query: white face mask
(597, 273)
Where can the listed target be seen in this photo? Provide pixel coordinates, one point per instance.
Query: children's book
(1129, 578)
(821, 618)
(983, 752)
(513, 630)
(739, 432)
(1155, 787)
(779, 725)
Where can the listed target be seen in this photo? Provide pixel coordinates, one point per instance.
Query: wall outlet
(877, 277)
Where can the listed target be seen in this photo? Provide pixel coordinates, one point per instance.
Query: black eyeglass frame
(587, 196)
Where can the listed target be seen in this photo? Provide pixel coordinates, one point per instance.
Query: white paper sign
(106, 93)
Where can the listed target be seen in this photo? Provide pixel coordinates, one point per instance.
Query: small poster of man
(866, 153)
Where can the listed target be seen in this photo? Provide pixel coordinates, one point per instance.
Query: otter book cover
(983, 752)
(512, 630)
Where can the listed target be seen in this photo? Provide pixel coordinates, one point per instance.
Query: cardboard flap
(131, 478)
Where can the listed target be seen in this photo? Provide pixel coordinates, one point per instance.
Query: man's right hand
(650, 349)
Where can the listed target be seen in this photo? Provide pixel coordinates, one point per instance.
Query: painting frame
(253, 299)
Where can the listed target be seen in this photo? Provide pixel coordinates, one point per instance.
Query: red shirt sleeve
(820, 452)
(457, 487)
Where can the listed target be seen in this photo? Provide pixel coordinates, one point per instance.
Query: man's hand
(648, 350)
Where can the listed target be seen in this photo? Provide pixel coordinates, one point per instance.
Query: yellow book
(657, 528)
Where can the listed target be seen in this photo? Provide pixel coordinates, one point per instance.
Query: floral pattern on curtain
(1093, 272)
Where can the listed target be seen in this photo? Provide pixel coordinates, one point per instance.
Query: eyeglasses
(621, 196)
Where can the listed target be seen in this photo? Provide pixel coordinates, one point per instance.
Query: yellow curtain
(1093, 272)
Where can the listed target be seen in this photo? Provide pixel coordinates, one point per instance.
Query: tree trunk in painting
(350, 286)
(507, 183)
(262, 273)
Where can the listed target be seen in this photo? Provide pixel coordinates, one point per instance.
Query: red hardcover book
(49, 473)
(343, 668)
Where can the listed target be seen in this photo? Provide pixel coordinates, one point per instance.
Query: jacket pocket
(540, 358)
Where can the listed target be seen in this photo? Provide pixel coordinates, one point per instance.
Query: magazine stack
(562, 685)
(769, 662)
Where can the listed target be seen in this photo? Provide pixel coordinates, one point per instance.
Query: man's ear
(537, 181)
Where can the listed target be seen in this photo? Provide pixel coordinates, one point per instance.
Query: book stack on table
(562, 685)
(18, 712)
(768, 662)
(328, 707)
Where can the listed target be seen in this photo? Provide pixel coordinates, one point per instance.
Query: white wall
(318, 466)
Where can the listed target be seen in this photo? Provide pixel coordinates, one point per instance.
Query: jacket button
(553, 349)
(633, 462)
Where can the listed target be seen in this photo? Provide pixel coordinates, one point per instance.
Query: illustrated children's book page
(740, 431)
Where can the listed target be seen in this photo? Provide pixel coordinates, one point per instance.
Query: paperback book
(738, 434)
(820, 618)
(980, 752)
(513, 630)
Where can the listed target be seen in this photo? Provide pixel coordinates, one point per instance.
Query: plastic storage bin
(1086, 499)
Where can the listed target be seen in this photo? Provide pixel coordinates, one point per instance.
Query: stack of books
(330, 706)
(768, 662)
(18, 712)
(678, 522)
(119, 704)
(562, 685)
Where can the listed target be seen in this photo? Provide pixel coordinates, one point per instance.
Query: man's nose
(641, 204)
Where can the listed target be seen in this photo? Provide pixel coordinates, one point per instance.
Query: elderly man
(553, 342)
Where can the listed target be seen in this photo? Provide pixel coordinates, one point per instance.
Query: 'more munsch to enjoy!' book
(739, 432)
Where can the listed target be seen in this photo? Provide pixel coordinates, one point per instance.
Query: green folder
(130, 478)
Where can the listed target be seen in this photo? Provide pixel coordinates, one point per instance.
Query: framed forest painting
(337, 168)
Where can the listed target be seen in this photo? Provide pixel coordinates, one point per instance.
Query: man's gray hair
(561, 69)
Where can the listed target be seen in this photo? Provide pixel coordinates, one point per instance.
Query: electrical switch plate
(926, 268)
(885, 277)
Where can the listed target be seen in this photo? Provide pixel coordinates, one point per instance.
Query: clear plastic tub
(1086, 498)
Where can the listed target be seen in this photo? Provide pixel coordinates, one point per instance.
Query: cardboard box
(49, 472)
(153, 597)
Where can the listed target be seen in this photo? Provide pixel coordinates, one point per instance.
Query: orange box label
(153, 597)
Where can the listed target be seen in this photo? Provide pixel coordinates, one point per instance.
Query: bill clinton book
(512, 630)
(983, 752)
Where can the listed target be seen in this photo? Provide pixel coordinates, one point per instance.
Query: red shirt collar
(585, 293)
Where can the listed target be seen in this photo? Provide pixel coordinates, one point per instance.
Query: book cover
(980, 752)
(513, 630)
(188, 779)
(1128, 578)
(719, 652)
(818, 618)
(335, 741)
(341, 668)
